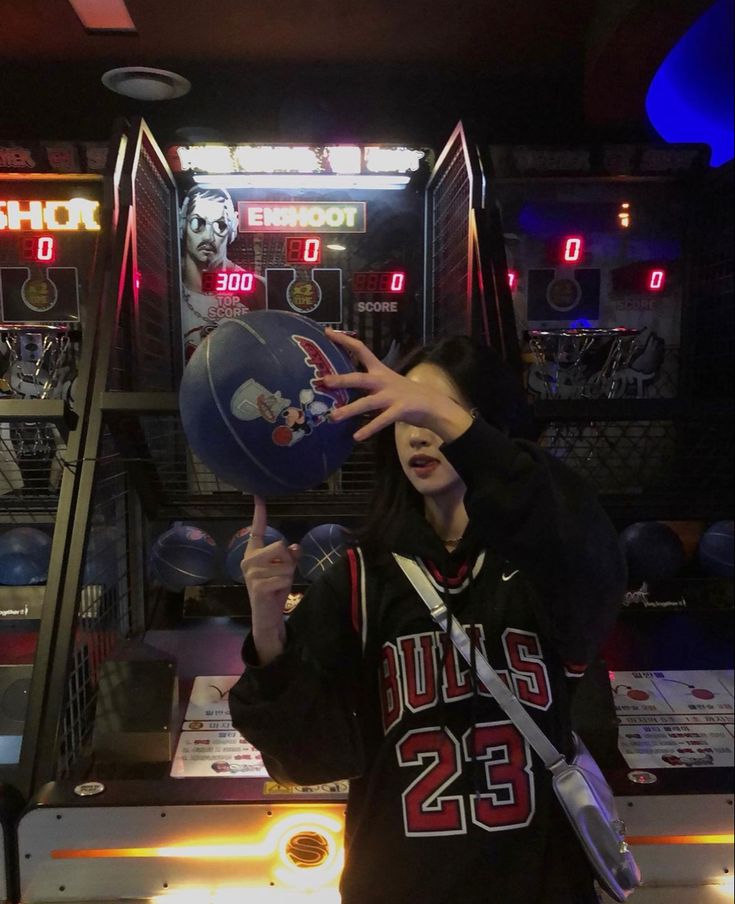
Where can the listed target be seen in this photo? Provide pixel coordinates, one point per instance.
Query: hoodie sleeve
(546, 521)
(299, 710)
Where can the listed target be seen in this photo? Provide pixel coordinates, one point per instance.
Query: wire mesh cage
(448, 254)
(105, 605)
(154, 450)
(636, 464)
(144, 356)
(33, 457)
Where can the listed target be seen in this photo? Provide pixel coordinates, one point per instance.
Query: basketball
(25, 553)
(716, 550)
(183, 556)
(653, 552)
(690, 533)
(101, 557)
(237, 546)
(321, 547)
(252, 408)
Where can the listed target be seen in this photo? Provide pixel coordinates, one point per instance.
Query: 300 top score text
(232, 282)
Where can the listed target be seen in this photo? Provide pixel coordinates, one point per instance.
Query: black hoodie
(447, 802)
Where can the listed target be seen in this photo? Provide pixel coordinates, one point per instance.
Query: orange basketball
(690, 533)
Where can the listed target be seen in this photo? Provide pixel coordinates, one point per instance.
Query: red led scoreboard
(333, 233)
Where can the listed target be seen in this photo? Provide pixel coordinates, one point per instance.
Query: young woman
(447, 802)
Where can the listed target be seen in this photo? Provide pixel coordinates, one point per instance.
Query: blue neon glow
(691, 96)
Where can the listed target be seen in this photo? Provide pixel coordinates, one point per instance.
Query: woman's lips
(423, 465)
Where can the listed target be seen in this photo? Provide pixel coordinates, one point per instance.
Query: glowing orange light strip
(91, 853)
(680, 839)
(198, 851)
(267, 846)
(229, 851)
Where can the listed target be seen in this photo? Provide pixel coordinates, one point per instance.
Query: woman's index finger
(357, 349)
(260, 520)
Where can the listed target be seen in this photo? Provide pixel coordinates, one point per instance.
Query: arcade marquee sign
(343, 159)
(312, 216)
(72, 215)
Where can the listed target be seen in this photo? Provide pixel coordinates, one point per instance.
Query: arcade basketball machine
(51, 240)
(154, 796)
(142, 789)
(620, 264)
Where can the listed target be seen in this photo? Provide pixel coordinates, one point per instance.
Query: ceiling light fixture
(143, 83)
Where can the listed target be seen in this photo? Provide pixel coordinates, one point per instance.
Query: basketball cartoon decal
(293, 420)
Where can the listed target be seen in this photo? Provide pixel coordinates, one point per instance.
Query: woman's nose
(418, 437)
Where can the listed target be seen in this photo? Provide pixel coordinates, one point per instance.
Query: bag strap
(507, 701)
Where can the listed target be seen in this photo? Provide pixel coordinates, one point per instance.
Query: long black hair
(492, 389)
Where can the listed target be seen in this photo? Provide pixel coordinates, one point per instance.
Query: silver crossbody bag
(580, 786)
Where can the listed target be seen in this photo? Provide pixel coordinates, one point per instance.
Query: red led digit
(512, 279)
(312, 248)
(572, 249)
(656, 279)
(358, 282)
(397, 281)
(41, 249)
(45, 249)
(220, 284)
(301, 249)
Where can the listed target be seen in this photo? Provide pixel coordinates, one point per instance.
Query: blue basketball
(716, 550)
(183, 556)
(25, 553)
(252, 409)
(237, 546)
(101, 556)
(321, 547)
(653, 552)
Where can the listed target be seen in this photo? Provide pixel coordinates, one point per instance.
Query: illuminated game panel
(46, 242)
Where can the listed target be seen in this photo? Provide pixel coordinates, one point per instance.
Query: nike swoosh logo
(507, 577)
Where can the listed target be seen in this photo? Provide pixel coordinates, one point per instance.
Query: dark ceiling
(558, 71)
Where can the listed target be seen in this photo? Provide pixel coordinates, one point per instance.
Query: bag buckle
(557, 764)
